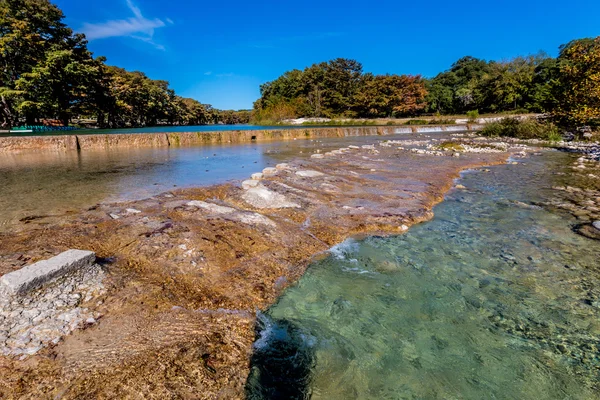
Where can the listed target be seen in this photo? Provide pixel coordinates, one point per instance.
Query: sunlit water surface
(492, 299)
(49, 183)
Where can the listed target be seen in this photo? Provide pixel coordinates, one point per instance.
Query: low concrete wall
(26, 143)
(122, 140)
(36, 275)
(107, 141)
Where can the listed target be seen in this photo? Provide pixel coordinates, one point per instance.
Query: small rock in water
(460, 187)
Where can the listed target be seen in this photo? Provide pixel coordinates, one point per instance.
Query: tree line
(566, 87)
(48, 72)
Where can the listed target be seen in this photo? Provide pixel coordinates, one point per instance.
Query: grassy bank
(530, 128)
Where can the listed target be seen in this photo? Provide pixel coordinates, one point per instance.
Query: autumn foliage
(339, 88)
(578, 86)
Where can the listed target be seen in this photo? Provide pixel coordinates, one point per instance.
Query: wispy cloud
(207, 73)
(136, 27)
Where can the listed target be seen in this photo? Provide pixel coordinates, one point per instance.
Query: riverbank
(66, 143)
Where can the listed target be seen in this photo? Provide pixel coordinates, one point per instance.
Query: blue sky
(219, 52)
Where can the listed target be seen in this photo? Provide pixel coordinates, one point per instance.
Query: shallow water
(492, 299)
(48, 183)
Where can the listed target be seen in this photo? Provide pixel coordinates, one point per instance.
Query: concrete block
(36, 275)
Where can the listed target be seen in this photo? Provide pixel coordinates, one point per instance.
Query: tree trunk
(9, 116)
(63, 116)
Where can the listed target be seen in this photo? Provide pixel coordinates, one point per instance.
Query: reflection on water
(489, 300)
(47, 183)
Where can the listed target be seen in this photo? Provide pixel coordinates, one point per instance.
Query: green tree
(28, 30)
(62, 84)
(578, 86)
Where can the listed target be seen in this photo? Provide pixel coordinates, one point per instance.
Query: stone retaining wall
(107, 141)
(43, 302)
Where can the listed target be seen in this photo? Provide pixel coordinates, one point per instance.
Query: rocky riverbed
(184, 272)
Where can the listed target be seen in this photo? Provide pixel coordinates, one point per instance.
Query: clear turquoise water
(492, 299)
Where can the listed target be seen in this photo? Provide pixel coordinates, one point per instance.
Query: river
(492, 299)
(52, 183)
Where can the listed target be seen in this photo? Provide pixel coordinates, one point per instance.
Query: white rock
(282, 166)
(132, 211)
(261, 197)
(596, 224)
(270, 171)
(114, 216)
(257, 176)
(309, 174)
(317, 156)
(247, 184)
(217, 209)
(255, 219)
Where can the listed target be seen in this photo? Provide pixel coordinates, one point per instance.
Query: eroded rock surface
(190, 269)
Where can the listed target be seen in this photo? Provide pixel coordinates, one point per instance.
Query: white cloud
(207, 73)
(137, 27)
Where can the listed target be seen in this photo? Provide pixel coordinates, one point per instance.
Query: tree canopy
(577, 88)
(340, 88)
(49, 73)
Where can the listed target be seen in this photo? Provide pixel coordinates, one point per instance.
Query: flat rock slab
(35, 275)
(309, 174)
(261, 197)
(215, 208)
